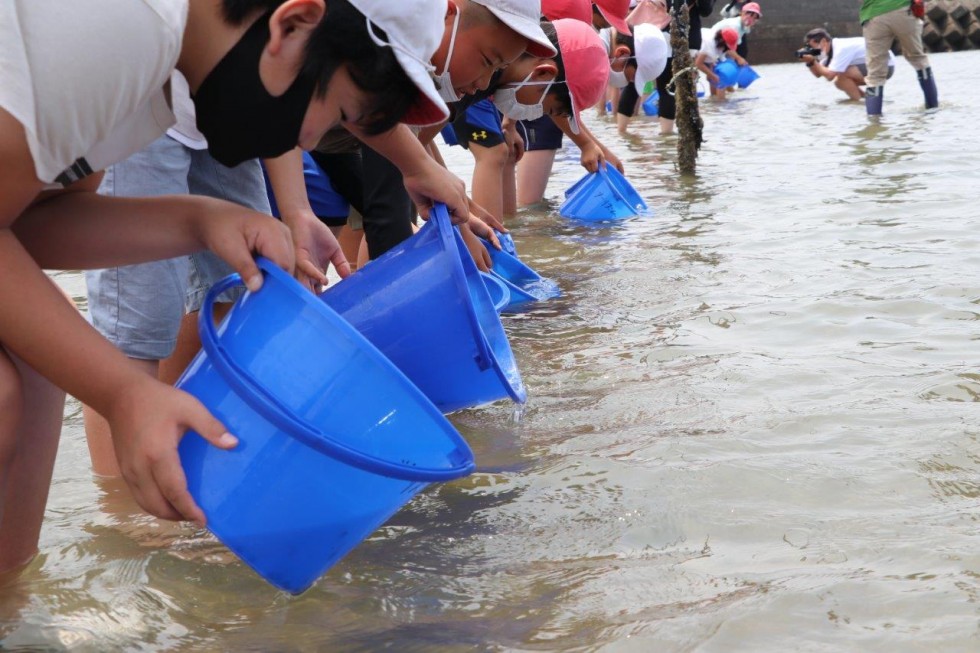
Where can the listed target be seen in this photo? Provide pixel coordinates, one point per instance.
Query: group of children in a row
(190, 106)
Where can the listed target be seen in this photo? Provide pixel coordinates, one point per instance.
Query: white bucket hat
(524, 17)
(414, 29)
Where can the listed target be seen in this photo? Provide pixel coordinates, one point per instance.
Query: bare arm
(315, 244)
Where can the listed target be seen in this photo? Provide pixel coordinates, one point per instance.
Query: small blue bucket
(746, 75)
(649, 105)
(498, 291)
(727, 72)
(425, 306)
(524, 284)
(602, 195)
(507, 243)
(333, 439)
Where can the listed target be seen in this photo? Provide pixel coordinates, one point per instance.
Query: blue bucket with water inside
(497, 289)
(425, 306)
(333, 438)
(727, 71)
(602, 195)
(746, 75)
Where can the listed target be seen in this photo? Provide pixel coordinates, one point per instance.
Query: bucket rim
(264, 402)
(439, 215)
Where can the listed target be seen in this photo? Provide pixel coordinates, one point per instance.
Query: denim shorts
(139, 308)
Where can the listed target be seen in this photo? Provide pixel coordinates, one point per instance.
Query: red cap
(730, 36)
(586, 63)
(753, 7)
(577, 9)
(614, 11)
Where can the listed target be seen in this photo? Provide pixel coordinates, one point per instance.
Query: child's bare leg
(350, 242)
(509, 194)
(850, 85)
(532, 176)
(99, 437)
(30, 424)
(488, 174)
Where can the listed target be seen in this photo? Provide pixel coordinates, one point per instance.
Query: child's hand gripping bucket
(426, 307)
(333, 438)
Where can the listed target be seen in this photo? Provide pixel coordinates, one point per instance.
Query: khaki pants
(880, 31)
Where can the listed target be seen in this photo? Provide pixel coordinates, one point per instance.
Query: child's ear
(621, 51)
(292, 16)
(545, 72)
(451, 10)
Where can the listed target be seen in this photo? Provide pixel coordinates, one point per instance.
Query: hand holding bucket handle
(271, 408)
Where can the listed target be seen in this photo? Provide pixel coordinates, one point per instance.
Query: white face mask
(506, 100)
(443, 83)
(617, 78)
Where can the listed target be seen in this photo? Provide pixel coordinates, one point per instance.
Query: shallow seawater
(752, 425)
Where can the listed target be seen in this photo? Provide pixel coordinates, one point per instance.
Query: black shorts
(540, 134)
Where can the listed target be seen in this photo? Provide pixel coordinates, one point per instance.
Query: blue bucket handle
(280, 415)
(440, 215)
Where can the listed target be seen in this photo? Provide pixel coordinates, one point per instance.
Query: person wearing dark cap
(842, 61)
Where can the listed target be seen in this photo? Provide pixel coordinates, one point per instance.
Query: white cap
(651, 50)
(414, 29)
(524, 17)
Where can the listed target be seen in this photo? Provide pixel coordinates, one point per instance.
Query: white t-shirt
(185, 131)
(733, 23)
(849, 52)
(712, 53)
(86, 78)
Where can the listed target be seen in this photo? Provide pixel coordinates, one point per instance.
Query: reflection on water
(752, 425)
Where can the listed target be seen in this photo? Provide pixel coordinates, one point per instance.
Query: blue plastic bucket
(602, 195)
(425, 306)
(727, 72)
(524, 284)
(324, 200)
(649, 105)
(746, 75)
(333, 438)
(497, 289)
(507, 243)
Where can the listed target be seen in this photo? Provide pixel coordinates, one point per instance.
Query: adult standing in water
(884, 21)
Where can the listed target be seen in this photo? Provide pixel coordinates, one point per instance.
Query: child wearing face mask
(364, 63)
(542, 137)
(480, 37)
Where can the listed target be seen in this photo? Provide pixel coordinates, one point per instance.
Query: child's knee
(495, 156)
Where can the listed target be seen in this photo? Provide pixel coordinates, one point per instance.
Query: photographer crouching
(841, 61)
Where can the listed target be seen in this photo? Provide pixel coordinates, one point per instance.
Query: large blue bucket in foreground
(498, 291)
(426, 307)
(333, 439)
(602, 195)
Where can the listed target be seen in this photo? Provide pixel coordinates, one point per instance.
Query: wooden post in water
(689, 124)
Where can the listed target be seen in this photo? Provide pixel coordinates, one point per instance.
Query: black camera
(807, 50)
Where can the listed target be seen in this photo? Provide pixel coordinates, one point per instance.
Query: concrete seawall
(950, 25)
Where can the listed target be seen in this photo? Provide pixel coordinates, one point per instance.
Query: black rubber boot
(873, 97)
(928, 84)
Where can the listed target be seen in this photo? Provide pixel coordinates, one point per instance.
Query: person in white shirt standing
(841, 61)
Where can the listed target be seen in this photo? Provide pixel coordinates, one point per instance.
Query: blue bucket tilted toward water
(746, 75)
(498, 291)
(602, 195)
(426, 307)
(727, 71)
(524, 284)
(333, 439)
(650, 106)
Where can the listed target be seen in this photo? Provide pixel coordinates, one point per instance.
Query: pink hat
(753, 7)
(577, 9)
(614, 11)
(730, 37)
(586, 64)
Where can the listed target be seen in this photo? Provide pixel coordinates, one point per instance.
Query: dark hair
(342, 39)
(627, 40)
(816, 34)
(558, 91)
(720, 42)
